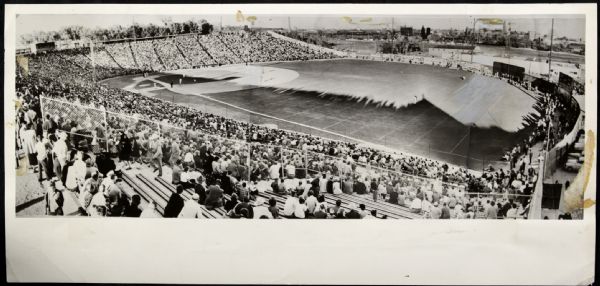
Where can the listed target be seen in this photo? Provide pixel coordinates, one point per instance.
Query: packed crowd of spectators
(557, 116)
(102, 58)
(194, 51)
(204, 50)
(146, 56)
(121, 53)
(237, 156)
(555, 113)
(171, 56)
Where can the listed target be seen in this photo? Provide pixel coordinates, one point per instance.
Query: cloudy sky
(564, 25)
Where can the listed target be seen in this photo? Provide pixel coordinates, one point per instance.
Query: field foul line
(457, 144)
(273, 117)
(427, 133)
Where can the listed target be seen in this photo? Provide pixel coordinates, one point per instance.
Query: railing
(551, 162)
(113, 122)
(551, 158)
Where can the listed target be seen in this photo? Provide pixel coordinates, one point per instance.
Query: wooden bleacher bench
(382, 207)
(165, 193)
(160, 204)
(331, 200)
(187, 194)
(280, 202)
(346, 204)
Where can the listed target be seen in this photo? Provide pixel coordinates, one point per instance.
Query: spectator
(321, 212)
(300, 210)
(445, 211)
(260, 210)
(416, 205)
(354, 212)
(176, 175)
(291, 203)
(273, 209)
(214, 199)
(56, 198)
(311, 203)
(435, 212)
(200, 190)
(133, 210)
(243, 209)
(175, 203)
(492, 211)
(150, 211)
(191, 208)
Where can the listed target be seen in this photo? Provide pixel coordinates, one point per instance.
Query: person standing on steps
(175, 203)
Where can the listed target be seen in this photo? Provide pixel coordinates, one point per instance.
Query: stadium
(255, 124)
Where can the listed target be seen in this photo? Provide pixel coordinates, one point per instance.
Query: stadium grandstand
(99, 150)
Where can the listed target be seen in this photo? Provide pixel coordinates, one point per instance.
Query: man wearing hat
(321, 212)
(436, 211)
(60, 149)
(42, 157)
(56, 199)
(191, 208)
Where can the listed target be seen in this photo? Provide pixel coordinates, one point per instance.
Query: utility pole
(508, 43)
(473, 39)
(392, 35)
(550, 54)
(289, 24)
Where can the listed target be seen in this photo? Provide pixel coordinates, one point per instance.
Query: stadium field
(443, 114)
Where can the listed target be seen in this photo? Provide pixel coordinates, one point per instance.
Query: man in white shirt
(300, 210)
(323, 184)
(512, 212)
(191, 208)
(307, 187)
(76, 173)
(290, 169)
(274, 171)
(188, 159)
(60, 149)
(40, 148)
(311, 202)
(216, 166)
(290, 184)
(225, 164)
(290, 205)
(263, 186)
(416, 205)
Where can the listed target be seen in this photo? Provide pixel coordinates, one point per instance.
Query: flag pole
(550, 54)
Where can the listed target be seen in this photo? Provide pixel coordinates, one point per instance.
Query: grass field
(369, 114)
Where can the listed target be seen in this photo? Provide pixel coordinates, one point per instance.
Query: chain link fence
(85, 126)
(254, 161)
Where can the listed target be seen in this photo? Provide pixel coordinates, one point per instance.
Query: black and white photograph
(236, 115)
(421, 117)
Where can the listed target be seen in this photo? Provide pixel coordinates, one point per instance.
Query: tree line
(76, 32)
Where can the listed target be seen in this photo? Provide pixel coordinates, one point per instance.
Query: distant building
(65, 45)
(451, 51)
(576, 48)
(25, 49)
(406, 31)
(45, 47)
